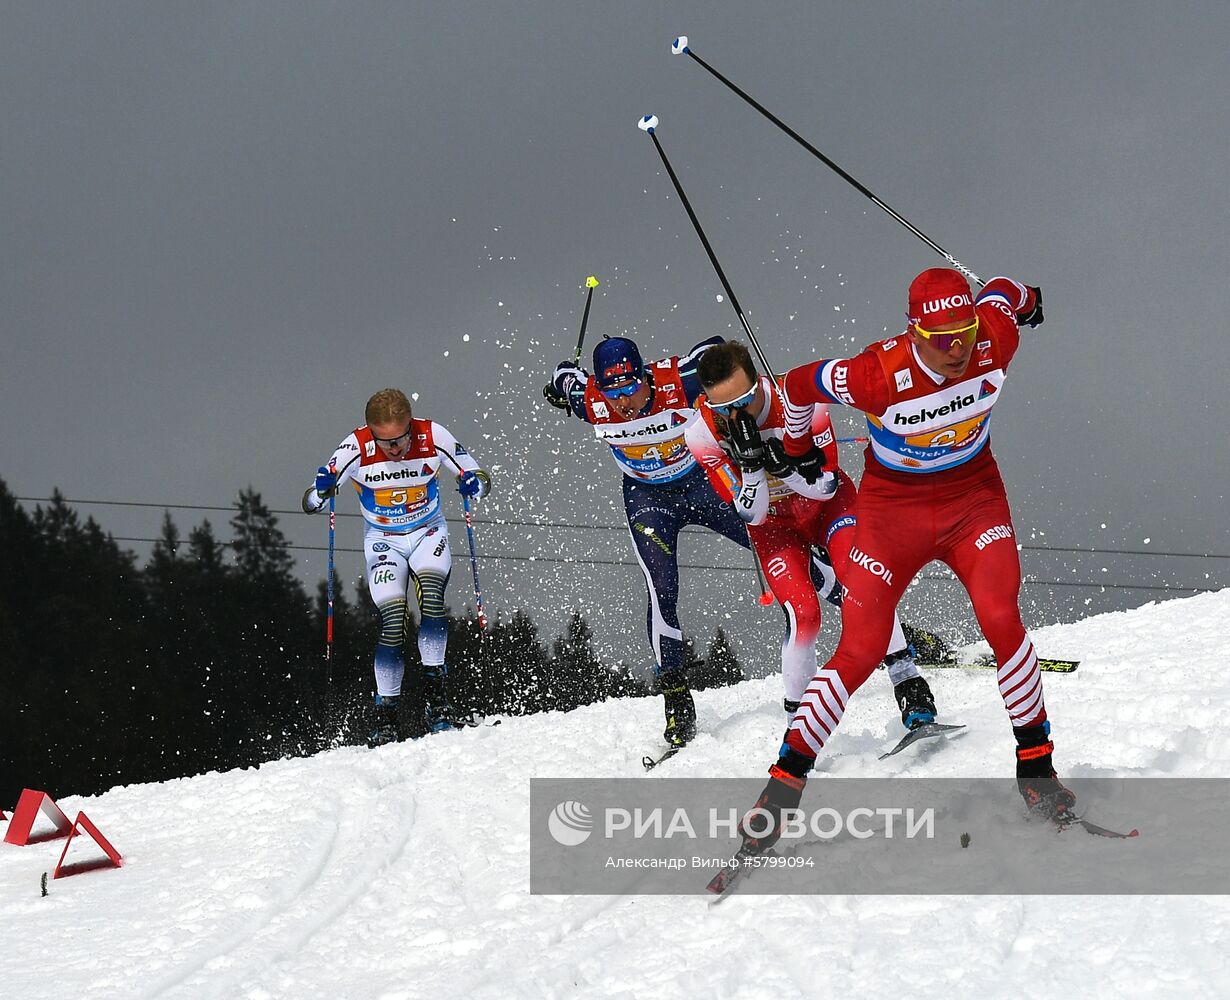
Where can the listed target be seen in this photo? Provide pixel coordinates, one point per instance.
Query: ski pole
(649, 123)
(591, 283)
(549, 391)
(680, 47)
(329, 586)
(766, 595)
(478, 590)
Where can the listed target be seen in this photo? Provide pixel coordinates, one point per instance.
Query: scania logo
(926, 413)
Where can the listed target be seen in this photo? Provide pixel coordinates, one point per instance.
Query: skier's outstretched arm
(330, 476)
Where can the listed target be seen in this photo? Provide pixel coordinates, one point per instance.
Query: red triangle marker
(31, 803)
(112, 859)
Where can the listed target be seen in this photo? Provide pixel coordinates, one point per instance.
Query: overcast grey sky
(227, 224)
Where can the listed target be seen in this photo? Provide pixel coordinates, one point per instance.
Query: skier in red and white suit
(738, 442)
(931, 490)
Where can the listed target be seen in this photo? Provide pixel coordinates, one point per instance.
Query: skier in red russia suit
(931, 490)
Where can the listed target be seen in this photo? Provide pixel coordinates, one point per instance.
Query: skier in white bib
(394, 463)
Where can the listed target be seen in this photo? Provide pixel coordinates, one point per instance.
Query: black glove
(745, 444)
(776, 462)
(565, 378)
(555, 397)
(1034, 317)
(810, 465)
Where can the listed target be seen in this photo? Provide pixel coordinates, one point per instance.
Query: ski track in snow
(403, 872)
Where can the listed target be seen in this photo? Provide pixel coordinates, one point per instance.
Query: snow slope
(402, 872)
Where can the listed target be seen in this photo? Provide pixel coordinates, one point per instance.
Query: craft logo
(904, 380)
(570, 823)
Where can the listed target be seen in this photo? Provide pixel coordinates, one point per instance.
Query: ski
(724, 882)
(474, 720)
(987, 662)
(651, 762)
(925, 731)
(1097, 831)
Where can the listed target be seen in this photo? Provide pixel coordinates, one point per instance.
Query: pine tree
(259, 547)
(721, 667)
(581, 678)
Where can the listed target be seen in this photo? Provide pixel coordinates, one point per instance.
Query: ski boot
(438, 714)
(1044, 794)
(385, 729)
(784, 791)
(440, 718)
(916, 702)
(926, 646)
(680, 708)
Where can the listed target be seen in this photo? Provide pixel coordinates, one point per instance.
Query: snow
(402, 872)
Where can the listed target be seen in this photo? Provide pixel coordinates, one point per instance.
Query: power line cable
(502, 522)
(723, 569)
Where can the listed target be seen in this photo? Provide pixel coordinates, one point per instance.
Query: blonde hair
(387, 406)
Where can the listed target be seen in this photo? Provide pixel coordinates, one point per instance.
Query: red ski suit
(931, 490)
(783, 540)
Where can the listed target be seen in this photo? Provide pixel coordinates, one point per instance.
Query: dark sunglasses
(401, 439)
(733, 404)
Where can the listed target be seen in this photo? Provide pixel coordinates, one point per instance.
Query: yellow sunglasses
(943, 341)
